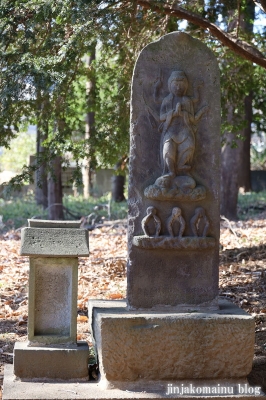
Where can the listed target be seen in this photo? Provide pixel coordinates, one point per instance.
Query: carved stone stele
(174, 164)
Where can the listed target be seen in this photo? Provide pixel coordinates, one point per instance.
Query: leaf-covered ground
(103, 275)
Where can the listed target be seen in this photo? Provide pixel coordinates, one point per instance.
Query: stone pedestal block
(172, 346)
(51, 362)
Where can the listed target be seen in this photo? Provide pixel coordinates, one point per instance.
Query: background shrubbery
(16, 211)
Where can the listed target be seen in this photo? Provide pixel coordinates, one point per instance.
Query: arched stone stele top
(174, 165)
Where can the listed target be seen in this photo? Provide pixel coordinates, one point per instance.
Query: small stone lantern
(52, 350)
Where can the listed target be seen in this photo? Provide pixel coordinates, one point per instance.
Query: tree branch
(238, 17)
(240, 47)
(261, 5)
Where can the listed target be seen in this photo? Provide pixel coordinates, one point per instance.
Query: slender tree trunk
(244, 165)
(41, 186)
(90, 121)
(118, 181)
(55, 191)
(231, 157)
(236, 165)
(118, 187)
(229, 178)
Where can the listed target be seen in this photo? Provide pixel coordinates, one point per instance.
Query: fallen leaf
(115, 296)
(82, 318)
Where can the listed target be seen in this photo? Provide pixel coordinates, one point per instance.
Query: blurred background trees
(66, 67)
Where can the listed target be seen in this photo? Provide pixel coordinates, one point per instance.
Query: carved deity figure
(174, 218)
(179, 124)
(151, 218)
(199, 223)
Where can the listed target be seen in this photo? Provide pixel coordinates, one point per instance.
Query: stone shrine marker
(174, 215)
(174, 225)
(52, 350)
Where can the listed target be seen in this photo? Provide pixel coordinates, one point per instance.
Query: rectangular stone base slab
(134, 346)
(15, 389)
(51, 362)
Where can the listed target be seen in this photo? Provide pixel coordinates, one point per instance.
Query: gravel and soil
(103, 275)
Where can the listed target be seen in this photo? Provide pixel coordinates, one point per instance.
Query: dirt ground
(103, 275)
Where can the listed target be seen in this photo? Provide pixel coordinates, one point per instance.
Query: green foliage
(20, 148)
(42, 44)
(107, 208)
(43, 74)
(132, 28)
(251, 203)
(235, 87)
(16, 211)
(257, 158)
(259, 103)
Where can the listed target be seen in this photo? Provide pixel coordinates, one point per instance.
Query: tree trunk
(229, 178)
(231, 157)
(90, 121)
(244, 165)
(55, 191)
(118, 187)
(41, 187)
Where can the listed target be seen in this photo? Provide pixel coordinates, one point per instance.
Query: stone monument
(52, 350)
(173, 327)
(173, 336)
(175, 172)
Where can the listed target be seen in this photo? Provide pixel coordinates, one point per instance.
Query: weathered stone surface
(105, 305)
(155, 192)
(51, 362)
(174, 163)
(15, 389)
(166, 242)
(172, 346)
(50, 242)
(52, 351)
(53, 286)
(42, 223)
